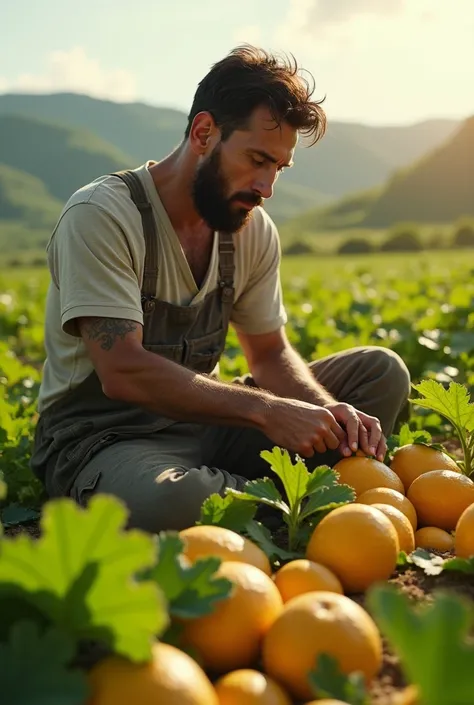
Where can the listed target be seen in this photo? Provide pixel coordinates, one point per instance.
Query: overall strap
(141, 201)
(226, 267)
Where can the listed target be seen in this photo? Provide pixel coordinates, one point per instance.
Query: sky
(374, 61)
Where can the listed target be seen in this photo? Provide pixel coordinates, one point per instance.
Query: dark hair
(249, 77)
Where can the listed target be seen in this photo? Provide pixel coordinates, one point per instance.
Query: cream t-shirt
(96, 257)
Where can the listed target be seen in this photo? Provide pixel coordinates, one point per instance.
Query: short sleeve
(91, 265)
(259, 309)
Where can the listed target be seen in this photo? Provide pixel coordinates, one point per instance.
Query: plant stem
(465, 449)
(293, 526)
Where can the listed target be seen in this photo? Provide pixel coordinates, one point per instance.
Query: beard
(216, 208)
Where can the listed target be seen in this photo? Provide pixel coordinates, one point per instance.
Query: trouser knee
(174, 500)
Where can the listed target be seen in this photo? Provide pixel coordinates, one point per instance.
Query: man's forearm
(286, 374)
(171, 390)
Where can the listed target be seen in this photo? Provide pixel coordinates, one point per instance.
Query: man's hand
(302, 427)
(362, 431)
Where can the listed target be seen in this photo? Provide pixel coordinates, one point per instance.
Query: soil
(412, 581)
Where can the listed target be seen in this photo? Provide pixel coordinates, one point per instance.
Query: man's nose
(264, 187)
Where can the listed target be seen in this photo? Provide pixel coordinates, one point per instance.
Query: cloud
(76, 72)
(417, 60)
(334, 11)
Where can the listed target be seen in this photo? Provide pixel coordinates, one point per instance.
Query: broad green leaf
(191, 590)
(328, 681)
(462, 565)
(431, 642)
(229, 512)
(323, 492)
(321, 477)
(293, 476)
(327, 498)
(452, 403)
(34, 668)
(263, 490)
(80, 573)
(263, 538)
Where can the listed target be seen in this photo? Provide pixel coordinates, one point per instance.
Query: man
(147, 271)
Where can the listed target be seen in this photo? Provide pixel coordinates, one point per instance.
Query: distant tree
(403, 239)
(298, 247)
(464, 234)
(355, 246)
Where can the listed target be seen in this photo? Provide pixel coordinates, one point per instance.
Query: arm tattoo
(108, 330)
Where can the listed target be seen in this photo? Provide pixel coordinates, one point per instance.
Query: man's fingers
(381, 449)
(364, 440)
(338, 431)
(331, 440)
(352, 429)
(319, 445)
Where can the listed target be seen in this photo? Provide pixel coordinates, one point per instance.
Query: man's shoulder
(107, 192)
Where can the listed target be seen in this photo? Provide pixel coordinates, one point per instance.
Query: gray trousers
(164, 480)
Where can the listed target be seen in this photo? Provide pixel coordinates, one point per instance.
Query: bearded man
(149, 267)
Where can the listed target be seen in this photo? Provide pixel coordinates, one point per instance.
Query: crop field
(359, 591)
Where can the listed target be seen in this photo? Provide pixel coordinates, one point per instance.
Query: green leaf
(328, 499)
(263, 490)
(463, 565)
(34, 668)
(324, 492)
(14, 514)
(261, 535)
(80, 574)
(431, 642)
(328, 681)
(191, 590)
(407, 436)
(294, 477)
(229, 512)
(3, 487)
(452, 403)
(429, 562)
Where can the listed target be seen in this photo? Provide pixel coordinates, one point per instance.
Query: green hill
(438, 188)
(25, 197)
(63, 158)
(349, 158)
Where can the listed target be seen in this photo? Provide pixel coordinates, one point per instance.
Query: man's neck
(173, 178)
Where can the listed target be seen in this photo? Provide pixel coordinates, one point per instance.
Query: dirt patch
(31, 528)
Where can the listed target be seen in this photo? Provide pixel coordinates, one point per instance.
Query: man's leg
(161, 479)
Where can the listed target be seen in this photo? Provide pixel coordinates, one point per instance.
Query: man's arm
(277, 367)
(134, 375)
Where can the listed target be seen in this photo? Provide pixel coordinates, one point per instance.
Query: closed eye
(257, 162)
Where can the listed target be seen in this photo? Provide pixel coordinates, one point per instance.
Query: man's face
(239, 174)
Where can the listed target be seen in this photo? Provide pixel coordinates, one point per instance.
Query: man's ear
(203, 134)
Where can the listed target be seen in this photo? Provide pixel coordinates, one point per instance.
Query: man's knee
(176, 497)
(393, 370)
(157, 501)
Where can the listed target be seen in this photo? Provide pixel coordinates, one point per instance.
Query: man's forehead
(264, 133)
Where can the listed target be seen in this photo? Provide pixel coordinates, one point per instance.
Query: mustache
(251, 199)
